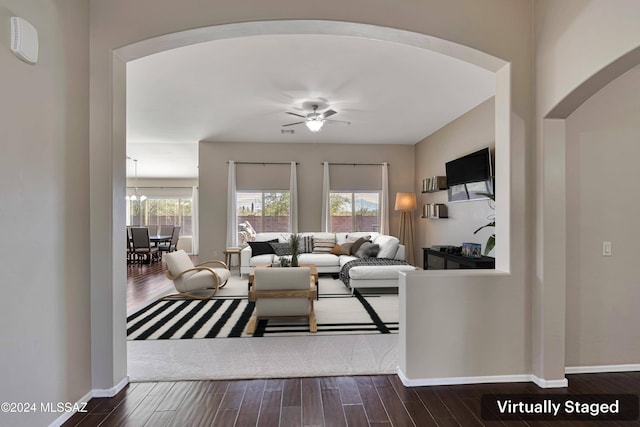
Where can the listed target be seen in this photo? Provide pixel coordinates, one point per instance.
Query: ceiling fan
(314, 121)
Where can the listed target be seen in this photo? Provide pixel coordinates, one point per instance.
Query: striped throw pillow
(306, 244)
(323, 246)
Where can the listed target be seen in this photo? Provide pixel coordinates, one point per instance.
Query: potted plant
(294, 241)
(491, 241)
(285, 262)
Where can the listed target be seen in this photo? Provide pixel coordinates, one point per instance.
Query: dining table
(159, 238)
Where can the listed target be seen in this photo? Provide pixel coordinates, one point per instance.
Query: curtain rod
(162, 188)
(355, 164)
(263, 163)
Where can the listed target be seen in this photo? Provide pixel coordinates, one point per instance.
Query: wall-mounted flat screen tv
(469, 176)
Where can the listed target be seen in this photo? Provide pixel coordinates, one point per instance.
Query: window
(165, 211)
(266, 211)
(351, 211)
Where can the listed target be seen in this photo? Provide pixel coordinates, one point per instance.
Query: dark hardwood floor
(145, 282)
(374, 401)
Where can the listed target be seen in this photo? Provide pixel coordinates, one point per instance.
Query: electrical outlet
(606, 249)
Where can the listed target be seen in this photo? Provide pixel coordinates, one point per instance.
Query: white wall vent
(24, 40)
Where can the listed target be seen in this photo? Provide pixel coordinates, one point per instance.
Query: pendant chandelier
(135, 196)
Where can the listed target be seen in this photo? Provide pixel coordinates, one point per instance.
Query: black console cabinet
(436, 260)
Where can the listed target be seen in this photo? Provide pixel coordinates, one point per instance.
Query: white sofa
(360, 276)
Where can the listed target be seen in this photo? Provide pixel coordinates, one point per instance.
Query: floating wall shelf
(435, 211)
(433, 184)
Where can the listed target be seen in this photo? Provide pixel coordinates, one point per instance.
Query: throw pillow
(356, 245)
(281, 249)
(343, 249)
(360, 253)
(323, 246)
(262, 248)
(306, 244)
(371, 251)
(388, 246)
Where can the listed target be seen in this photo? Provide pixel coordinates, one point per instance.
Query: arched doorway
(559, 265)
(108, 332)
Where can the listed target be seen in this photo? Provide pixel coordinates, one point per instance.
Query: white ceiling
(237, 90)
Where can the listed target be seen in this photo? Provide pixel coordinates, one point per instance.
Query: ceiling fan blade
(337, 122)
(291, 124)
(328, 113)
(295, 114)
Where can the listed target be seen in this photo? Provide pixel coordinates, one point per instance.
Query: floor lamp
(406, 204)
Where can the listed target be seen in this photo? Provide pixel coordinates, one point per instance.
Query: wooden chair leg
(313, 326)
(251, 327)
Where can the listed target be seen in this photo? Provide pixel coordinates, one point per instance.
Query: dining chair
(142, 247)
(172, 245)
(131, 257)
(165, 230)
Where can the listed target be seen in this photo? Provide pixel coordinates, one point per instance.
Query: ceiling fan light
(133, 198)
(314, 125)
(143, 198)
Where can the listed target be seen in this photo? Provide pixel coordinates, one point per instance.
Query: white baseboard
(66, 415)
(481, 380)
(542, 383)
(601, 368)
(110, 392)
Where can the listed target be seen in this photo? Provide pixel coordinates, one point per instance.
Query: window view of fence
(154, 212)
(266, 211)
(351, 211)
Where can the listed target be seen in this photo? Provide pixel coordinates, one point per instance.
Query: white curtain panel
(195, 221)
(232, 219)
(384, 200)
(293, 202)
(325, 224)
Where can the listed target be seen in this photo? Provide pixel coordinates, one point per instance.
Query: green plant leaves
(491, 243)
(491, 224)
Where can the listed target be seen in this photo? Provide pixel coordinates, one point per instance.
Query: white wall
(575, 39)
(603, 148)
(462, 326)
(470, 132)
(579, 47)
(44, 209)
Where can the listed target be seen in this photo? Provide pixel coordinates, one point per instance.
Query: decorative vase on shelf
(294, 241)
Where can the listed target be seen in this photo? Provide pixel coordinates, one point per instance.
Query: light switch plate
(606, 248)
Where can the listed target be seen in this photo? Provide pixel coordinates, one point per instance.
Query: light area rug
(268, 357)
(227, 315)
(272, 357)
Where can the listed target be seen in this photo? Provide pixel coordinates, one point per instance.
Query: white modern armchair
(282, 293)
(195, 281)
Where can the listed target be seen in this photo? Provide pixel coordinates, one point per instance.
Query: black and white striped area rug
(228, 318)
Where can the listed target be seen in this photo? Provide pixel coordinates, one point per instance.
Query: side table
(227, 256)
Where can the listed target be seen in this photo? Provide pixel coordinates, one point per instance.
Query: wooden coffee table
(312, 270)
